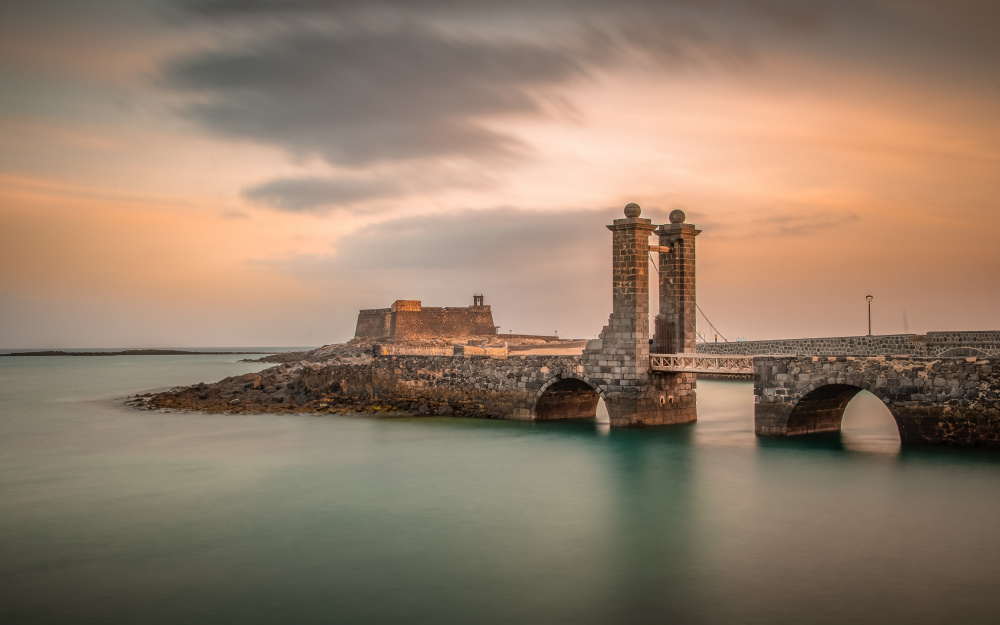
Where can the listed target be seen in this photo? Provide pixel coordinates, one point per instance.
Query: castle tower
(619, 360)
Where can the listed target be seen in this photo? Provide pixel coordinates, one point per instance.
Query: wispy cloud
(805, 223)
(521, 243)
(319, 195)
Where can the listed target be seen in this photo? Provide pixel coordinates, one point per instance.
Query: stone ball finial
(632, 210)
(677, 216)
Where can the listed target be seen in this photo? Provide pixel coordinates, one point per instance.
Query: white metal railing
(701, 363)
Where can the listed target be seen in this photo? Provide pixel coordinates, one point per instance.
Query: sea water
(113, 515)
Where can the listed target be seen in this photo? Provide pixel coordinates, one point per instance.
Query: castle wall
(431, 322)
(373, 324)
(406, 319)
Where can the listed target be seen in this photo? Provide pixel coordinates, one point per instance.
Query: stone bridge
(518, 387)
(952, 400)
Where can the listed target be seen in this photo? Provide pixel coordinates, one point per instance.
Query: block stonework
(373, 323)
(519, 387)
(407, 319)
(951, 400)
(973, 343)
(676, 323)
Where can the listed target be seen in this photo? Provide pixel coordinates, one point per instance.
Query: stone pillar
(619, 360)
(628, 326)
(677, 320)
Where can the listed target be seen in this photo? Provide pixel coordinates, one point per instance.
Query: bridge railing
(701, 363)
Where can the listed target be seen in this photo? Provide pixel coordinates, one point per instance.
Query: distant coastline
(131, 352)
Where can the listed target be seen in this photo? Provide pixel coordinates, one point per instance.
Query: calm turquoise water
(109, 515)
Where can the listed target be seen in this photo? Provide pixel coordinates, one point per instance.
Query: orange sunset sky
(224, 173)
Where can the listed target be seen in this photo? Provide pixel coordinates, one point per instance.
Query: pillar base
(668, 399)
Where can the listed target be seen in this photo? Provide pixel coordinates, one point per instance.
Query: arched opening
(567, 399)
(868, 425)
(823, 410)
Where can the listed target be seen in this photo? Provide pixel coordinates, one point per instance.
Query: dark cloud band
(356, 98)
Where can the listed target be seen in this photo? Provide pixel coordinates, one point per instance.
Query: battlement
(408, 305)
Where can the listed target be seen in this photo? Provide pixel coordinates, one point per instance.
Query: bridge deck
(701, 363)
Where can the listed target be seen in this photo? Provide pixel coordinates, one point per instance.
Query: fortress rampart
(407, 319)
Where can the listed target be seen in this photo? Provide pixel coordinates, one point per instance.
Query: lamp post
(869, 298)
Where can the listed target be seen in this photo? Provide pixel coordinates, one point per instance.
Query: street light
(869, 298)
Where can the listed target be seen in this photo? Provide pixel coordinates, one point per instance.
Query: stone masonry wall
(408, 320)
(518, 387)
(950, 400)
(433, 322)
(486, 387)
(675, 323)
(982, 343)
(372, 324)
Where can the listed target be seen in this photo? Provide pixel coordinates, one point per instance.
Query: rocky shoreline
(302, 382)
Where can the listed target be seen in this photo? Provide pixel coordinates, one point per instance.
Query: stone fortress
(407, 319)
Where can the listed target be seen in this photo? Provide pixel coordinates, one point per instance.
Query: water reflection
(656, 542)
(603, 419)
(723, 410)
(110, 515)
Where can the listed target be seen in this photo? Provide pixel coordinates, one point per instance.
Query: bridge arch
(821, 406)
(567, 397)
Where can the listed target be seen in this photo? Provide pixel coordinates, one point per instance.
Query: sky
(251, 173)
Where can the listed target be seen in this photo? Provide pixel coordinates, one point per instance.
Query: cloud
(321, 195)
(789, 13)
(804, 223)
(515, 241)
(356, 98)
(363, 83)
(318, 195)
